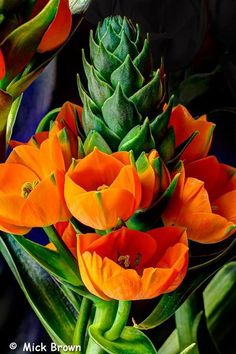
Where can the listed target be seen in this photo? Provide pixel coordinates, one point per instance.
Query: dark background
(194, 37)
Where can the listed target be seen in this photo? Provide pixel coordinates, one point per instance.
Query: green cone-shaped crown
(123, 90)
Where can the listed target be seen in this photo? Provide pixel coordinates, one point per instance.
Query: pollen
(101, 188)
(27, 188)
(124, 261)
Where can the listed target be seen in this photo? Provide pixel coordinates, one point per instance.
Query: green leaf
(169, 303)
(44, 124)
(125, 47)
(94, 139)
(99, 90)
(219, 302)
(104, 61)
(147, 219)
(194, 86)
(131, 341)
(167, 148)
(119, 113)
(190, 349)
(93, 122)
(138, 139)
(21, 44)
(128, 76)
(149, 95)
(110, 39)
(160, 124)
(50, 260)
(42, 292)
(143, 61)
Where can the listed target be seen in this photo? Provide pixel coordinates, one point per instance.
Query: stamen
(27, 188)
(124, 261)
(101, 188)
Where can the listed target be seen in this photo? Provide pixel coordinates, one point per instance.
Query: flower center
(101, 188)
(124, 261)
(27, 188)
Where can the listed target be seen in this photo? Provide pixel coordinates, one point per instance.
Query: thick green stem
(104, 318)
(121, 319)
(81, 325)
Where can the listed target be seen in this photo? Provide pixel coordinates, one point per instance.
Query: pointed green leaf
(92, 122)
(119, 113)
(167, 148)
(148, 97)
(43, 293)
(191, 349)
(138, 139)
(110, 39)
(147, 219)
(169, 303)
(44, 124)
(143, 61)
(94, 139)
(99, 90)
(179, 150)
(125, 47)
(160, 124)
(131, 341)
(104, 61)
(49, 260)
(219, 302)
(128, 76)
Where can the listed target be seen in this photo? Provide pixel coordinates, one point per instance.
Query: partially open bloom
(204, 201)
(154, 177)
(32, 185)
(100, 189)
(184, 125)
(133, 265)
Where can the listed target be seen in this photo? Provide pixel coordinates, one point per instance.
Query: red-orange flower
(2, 65)
(184, 126)
(133, 265)
(204, 201)
(100, 189)
(32, 185)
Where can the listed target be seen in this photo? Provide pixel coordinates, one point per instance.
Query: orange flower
(100, 189)
(154, 177)
(204, 201)
(32, 184)
(184, 125)
(133, 265)
(68, 235)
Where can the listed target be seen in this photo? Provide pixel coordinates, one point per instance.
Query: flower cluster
(59, 179)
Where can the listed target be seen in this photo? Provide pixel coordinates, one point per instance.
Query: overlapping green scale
(122, 94)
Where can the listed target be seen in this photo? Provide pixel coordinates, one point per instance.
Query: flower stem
(81, 325)
(120, 321)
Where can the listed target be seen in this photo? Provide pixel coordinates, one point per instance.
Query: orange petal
(67, 116)
(102, 210)
(226, 206)
(13, 176)
(184, 125)
(13, 229)
(59, 29)
(51, 156)
(101, 168)
(38, 211)
(128, 180)
(27, 156)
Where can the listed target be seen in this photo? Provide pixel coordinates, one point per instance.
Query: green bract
(122, 89)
